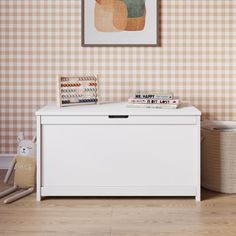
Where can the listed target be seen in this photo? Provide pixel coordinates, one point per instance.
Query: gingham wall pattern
(41, 39)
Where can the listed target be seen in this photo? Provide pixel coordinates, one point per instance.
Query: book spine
(153, 101)
(157, 106)
(154, 96)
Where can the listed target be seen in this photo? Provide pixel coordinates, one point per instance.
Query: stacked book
(161, 100)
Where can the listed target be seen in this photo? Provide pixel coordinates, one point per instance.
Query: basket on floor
(218, 156)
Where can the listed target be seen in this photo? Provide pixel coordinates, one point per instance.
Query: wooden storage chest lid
(115, 109)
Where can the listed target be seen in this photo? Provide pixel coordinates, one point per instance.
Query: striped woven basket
(218, 154)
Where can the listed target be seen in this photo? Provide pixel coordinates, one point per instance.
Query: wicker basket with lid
(218, 164)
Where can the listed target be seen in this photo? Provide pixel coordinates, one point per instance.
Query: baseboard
(5, 160)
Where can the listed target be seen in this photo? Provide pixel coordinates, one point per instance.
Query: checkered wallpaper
(40, 39)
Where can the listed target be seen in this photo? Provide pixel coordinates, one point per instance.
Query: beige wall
(40, 39)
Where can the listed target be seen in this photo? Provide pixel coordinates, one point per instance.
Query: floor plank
(214, 216)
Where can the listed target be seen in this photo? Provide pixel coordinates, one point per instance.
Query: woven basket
(218, 164)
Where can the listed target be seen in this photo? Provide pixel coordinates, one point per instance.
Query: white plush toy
(26, 147)
(25, 169)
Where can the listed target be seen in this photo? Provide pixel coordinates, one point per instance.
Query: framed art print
(120, 23)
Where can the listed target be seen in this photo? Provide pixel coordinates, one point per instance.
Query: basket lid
(221, 126)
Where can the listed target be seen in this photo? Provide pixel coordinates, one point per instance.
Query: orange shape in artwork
(110, 15)
(136, 24)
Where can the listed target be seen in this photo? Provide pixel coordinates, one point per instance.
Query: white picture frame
(144, 33)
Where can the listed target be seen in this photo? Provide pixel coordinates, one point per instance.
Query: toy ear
(34, 139)
(20, 137)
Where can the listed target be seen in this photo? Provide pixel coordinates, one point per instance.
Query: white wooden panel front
(186, 120)
(158, 190)
(118, 155)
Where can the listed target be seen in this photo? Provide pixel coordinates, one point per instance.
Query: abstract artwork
(119, 23)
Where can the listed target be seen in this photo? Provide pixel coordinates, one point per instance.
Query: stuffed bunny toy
(25, 169)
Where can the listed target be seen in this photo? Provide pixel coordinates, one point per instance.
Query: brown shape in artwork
(110, 15)
(104, 17)
(136, 24)
(120, 15)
